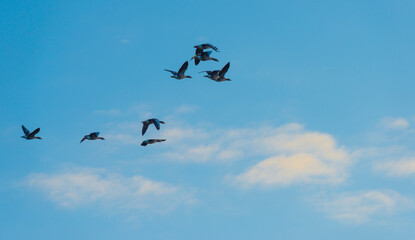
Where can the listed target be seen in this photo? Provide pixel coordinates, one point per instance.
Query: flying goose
(218, 76)
(147, 123)
(180, 74)
(92, 136)
(201, 47)
(30, 135)
(203, 56)
(151, 141)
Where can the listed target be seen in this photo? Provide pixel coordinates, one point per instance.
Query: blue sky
(312, 139)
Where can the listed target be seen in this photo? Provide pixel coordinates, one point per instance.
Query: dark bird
(30, 135)
(201, 47)
(218, 76)
(203, 56)
(151, 141)
(147, 123)
(180, 74)
(92, 136)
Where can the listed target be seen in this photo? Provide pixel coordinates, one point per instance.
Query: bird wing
(183, 68)
(32, 134)
(207, 53)
(173, 72)
(197, 61)
(145, 126)
(94, 134)
(208, 45)
(224, 70)
(156, 123)
(199, 50)
(25, 130)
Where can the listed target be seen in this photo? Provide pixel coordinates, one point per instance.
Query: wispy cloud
(85, 186)
(399, 168)
(364, 206)
(394, 123)
(186, 108)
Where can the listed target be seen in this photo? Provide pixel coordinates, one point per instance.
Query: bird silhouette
(218, 75)
(150, 121)
(180, 74)
(30, 135)
(151, 141)
(203, 56)
(92, 136)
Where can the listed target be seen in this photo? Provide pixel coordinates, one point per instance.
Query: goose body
(203, 56)
(151, 141)
(219, 75)
(201, 47)
(30, 135)
(92, 136)
(150, 121)
(180, 74)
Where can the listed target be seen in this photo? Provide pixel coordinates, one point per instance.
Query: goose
(218, 76)
(151, 141)
(92, 136)
(147, 123)
(203, 56)
(30, 135)
(180, 74)
(201, 47)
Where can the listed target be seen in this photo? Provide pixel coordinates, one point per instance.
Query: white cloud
(394, 123)
(360, 207)
(84, 186)
(299, 168)
(404, 167)
(291, 154)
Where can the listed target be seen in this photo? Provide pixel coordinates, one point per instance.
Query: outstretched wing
(32, 134)
(199, 50)
(224, 70)
(172, 72)
(26, 132)
(207, 53)
(208, 45)
(145, 126)
(183, 68)
(156, 123)
(94, 134)
(197, 61)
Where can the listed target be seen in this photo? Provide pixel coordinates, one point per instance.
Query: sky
(312, 139)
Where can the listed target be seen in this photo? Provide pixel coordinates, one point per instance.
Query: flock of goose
(200, 55)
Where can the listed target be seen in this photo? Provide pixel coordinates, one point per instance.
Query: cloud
(186, 108)
(281, 152)
(284, 170)
(85, 186)
(290, 154)
(400, 168)
(364, 206)
(293, 155)
(394, 123)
